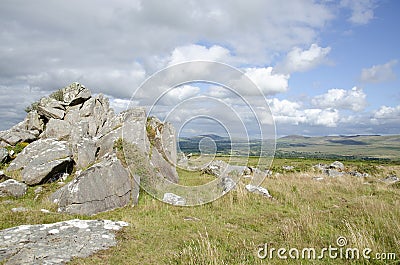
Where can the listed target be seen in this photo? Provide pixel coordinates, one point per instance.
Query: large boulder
(75, 94)
(58, 129)
(57, 243)
(99, 113)
(337, 165)
(51, 108)
(42, 160)
(163, 167)
(168, 140)
(102, 187)
(18, 133)
(129, 125)
(34, 122)
(85, 153)
(12, 188)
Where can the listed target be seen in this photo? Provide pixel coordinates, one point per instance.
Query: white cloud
(270, 83)
(362, 11)
(298, 60)
(288, 112)
(379, 73)
(178, 94)
(354, 99)
(198, 52)
(324, 117)
(386, 115)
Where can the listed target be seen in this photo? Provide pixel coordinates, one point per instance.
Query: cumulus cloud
(269, 82)
(198, 52)
(325, 117)
(353, 99)
(298, 60)
(288, 112)
(386, 115)
(379, 73)
(362, 11)
(178, 94)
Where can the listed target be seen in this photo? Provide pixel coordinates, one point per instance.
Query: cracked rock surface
(56, 243)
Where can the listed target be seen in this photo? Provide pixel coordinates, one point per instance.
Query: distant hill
(367, 147)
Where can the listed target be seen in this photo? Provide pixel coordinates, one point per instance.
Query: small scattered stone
(174, 199)
(288, 168)
(190, 218)
(38, 190)
(391, 179)
(19, 209)
(258, 190)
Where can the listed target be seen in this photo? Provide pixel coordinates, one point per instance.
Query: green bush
(57, 95)
(33, 106)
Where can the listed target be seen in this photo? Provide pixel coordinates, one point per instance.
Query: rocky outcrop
(57, 243)
(69, 130)
(102, 187)
(43, 159)
(12, 188)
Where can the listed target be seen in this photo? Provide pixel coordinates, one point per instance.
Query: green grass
(303, 213)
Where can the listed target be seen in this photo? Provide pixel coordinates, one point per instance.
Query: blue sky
(325, 67)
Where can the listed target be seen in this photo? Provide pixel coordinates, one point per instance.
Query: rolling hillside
(365, 147)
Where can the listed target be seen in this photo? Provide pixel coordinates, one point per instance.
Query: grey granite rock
(102, 187)
(258, 190)
(56, 243)
(42, 160)
(75, 94)
(12, 188)
(174, 199)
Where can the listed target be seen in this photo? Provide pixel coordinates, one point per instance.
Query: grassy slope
(303, 213)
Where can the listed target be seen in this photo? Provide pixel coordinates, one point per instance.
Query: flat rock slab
(42, 159)
(102, 187)
(56, 243)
